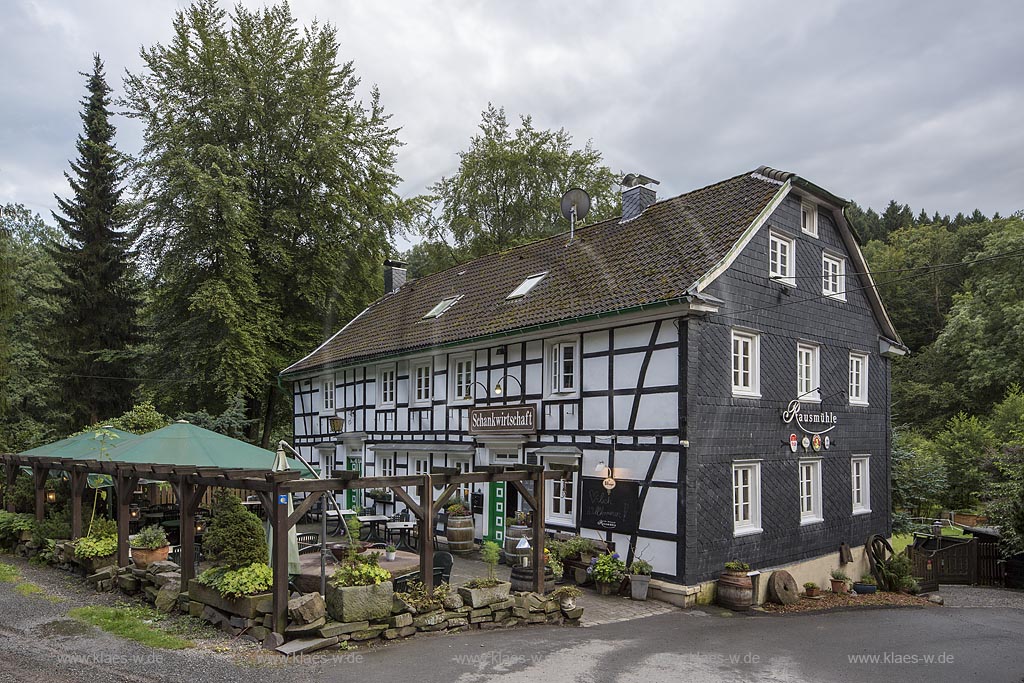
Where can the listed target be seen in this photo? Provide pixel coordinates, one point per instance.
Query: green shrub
(566, 592)
(737, 566)
(840, 575)
(95, 546)
(235, 583)
(23, 493)
(867, 580)
(12, 524)
(457, 508)
(151, 537)
(101, 526)
(235, 537)
(641, 567)
(490, 553)
(54, 528)
(362, 571)
(418, 597)
(897, 574)
(608, 568)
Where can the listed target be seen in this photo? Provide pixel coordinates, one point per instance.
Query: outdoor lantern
(200, 526)
(524, 544)
(133, 513)
(51, 496)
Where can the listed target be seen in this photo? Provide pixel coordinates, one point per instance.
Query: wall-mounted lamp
(498, 389)
(51, 496)
(200, 526)
(469, 393)
(134, 513)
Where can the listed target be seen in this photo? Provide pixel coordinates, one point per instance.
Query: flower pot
(459, 531)
(864, 588)
(638, 585)
(482, 597)
(606, 588)
(389, 555)
(812, 592)
(838, 585)
(143, 557)
(735, 591)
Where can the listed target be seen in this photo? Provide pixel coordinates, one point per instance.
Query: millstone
(782, 588)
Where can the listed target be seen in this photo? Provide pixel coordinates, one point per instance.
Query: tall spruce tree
(96, 324)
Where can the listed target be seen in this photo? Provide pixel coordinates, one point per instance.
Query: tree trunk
(268, 416)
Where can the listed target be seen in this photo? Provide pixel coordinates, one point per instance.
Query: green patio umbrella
(89, 445)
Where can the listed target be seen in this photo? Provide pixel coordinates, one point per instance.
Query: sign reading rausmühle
(616, 510)
(520, 419)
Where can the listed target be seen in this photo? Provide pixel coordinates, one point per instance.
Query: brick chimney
(636, 196)
(394, 275)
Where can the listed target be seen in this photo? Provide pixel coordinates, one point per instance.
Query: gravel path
(981, 596)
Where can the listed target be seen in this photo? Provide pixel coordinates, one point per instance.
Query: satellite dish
(575, 204)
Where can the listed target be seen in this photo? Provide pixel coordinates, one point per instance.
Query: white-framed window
(442, 306)
(386, 386)
(858, 378)
(562, 367)
(810, 491)
(327, 391)
(561, 499)
(809, 219)
(746, 363)
(524, 288)
(386, 465)
(465, 490)
(807, 372)
(460, 379)
(782, 258)
(833, 276)
(422, 381)
(746, 498)
(860, 484)
(418, 465)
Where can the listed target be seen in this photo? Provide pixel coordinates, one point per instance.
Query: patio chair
(444, 561)
(308, 543)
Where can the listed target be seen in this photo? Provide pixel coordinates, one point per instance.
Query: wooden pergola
(191, 483)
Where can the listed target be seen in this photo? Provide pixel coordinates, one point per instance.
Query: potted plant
(360, 589)
(735, 589)
(482, 592)
(379, 495)
(865, 586)
(581, 547)
(149, 545)
(639, 578)
(566, 596)
(608, 571)
(839, 581)
(389, 552)
(458, 526)
(811, 589)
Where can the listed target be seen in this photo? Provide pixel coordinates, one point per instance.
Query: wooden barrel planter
(522, 578)
(513, 555)
(459, 531)
(735, 591)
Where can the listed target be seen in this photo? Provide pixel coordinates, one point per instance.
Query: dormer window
(809, 219)
(527, 284)
(441, 307)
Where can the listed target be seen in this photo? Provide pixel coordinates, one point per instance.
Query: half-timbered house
(717, 363)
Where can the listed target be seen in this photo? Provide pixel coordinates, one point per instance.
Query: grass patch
(134, 622)
(8, 573)
(32, 590)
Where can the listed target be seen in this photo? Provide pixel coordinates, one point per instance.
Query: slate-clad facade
(626, 348)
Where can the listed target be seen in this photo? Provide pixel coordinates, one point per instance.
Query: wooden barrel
(522, 578)
(513, 555)
(459, 531)
(735, 591)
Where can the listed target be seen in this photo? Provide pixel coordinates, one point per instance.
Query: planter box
(482, 597)
(143, 557)
(360, 603)
(91, 565)
(247, 607)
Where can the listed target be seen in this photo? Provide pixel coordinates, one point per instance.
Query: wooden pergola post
(79, 479)
(426, 520)
(124, 486)
(279, 531)
(538, 532)
(11, 476)
(189, 497)
(39, 474)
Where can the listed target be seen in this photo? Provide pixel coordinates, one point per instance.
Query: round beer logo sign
(793, 442)
(816, 442)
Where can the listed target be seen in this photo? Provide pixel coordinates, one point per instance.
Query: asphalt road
(975, 645)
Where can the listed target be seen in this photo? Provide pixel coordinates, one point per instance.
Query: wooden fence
(955, 560)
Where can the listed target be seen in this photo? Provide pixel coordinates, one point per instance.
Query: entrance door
(354, 496)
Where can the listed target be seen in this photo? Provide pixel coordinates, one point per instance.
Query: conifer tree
(95, 327)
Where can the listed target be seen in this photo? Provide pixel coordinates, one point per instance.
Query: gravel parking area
(981, 596)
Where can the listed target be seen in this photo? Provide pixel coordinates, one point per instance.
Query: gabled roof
(611, 266)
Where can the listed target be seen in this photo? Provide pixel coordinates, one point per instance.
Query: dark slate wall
(722, 429)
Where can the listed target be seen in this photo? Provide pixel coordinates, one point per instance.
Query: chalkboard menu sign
(616, 510)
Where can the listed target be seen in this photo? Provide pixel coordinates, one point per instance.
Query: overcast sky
(921, 102)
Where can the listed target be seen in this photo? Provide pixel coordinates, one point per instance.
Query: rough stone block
(195, 609)
(521, 612)
(482, 612)
(151, 592)
(161, 580)
(429, 619)
(510, 622)
(502, 614)
(458, 622)
(551, 606)
(488, 625)
(307, 609)
(481, 619)
(102, 574)
(574, 613)
(128, 583)
(398, 606)
(163, 567)
(297, 629)
(555, 618)
(167, 597)
(214, 616)
(360, 603)
(369, 633)
(258, 633)
(302, 646)
(272, 641)
(400, 620)
(453, 601)
(337, 628)
(503, 604)
(536, 619)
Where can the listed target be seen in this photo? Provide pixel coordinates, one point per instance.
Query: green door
(496, 512)
(354, 496)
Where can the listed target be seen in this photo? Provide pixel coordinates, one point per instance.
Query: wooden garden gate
(955, 560)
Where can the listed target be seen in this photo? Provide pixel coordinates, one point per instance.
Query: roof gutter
(687, 298)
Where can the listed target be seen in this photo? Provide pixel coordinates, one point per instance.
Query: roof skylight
(442, 306)
(527, 284)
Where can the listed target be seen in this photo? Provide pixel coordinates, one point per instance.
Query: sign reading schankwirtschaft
(503, 420)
